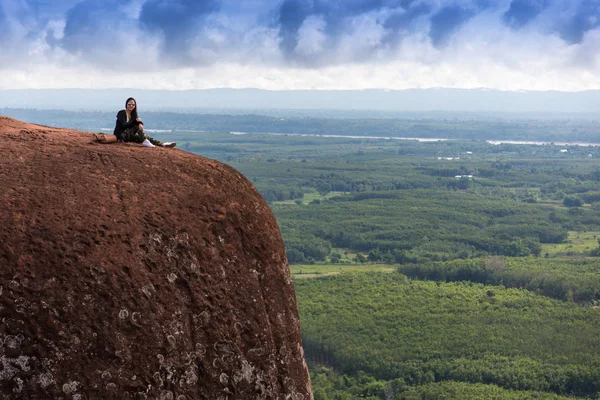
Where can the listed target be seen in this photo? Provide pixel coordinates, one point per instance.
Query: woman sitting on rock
(129, 127)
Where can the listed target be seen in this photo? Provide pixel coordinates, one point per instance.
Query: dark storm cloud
(93, 28)
(18, 26)
(521, 12)
(175, 18)
(336, 13)
(292, 14)
(308, 33)
(397, 17)
(11, 15)
(585, 18)
(402, 20)
(4, 31)
(405, 20)
(86, 16)
(446, 22)
(177, 22)
(89, 24)
(571, 20)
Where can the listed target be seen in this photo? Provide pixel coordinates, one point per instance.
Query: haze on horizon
(300, 44)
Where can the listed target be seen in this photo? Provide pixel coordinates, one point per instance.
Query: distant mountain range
(410, 100)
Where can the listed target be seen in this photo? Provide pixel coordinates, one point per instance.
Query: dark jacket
(122, 124)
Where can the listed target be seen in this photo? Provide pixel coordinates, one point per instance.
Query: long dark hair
(134, 113)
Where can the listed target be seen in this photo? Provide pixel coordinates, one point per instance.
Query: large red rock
(138, 273)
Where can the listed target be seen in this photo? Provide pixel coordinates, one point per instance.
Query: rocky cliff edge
(138, 273)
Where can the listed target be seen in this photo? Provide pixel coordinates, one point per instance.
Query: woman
(129, 127)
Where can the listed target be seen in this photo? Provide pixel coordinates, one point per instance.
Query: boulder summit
(137, 273)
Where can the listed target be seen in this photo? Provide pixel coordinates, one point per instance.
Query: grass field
(577, 244)
(311, 271)
(308, 197)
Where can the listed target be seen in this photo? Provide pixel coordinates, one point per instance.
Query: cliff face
(138, 273)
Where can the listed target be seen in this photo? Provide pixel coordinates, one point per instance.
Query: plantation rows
(416, 333)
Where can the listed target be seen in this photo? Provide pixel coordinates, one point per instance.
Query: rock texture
(137, 273)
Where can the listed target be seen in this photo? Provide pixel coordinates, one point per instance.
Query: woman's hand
(141, 127)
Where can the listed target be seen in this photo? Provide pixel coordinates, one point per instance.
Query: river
(494, 142)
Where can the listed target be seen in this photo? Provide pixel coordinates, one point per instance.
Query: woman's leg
(154, 141)
(133, 135)
(138, 136)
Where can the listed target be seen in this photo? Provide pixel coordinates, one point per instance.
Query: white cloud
(311, 37)
(56, 28)
(239, 47)
(392, 75)
(132, 9)
(365, 36)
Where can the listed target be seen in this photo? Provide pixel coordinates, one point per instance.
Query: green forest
(396, 334)
(425, 269)
(493, 251)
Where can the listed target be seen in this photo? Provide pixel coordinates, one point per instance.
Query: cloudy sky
(300, 44)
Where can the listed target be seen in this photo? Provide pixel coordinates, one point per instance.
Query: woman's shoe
(146, 143)
(169, 144)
